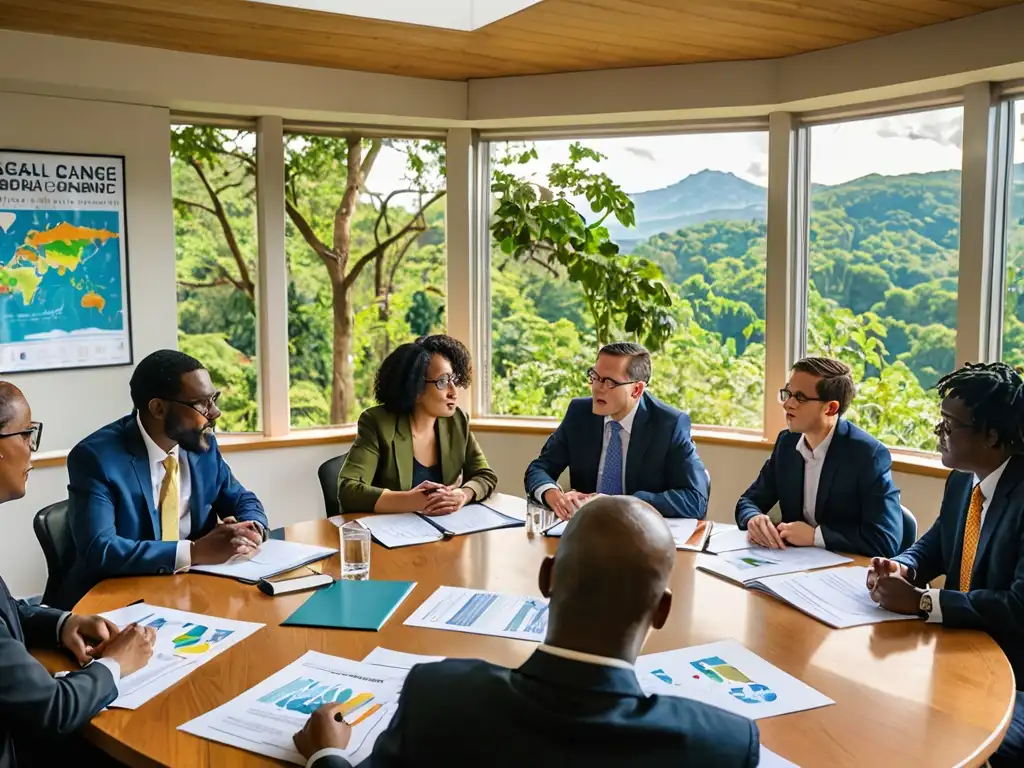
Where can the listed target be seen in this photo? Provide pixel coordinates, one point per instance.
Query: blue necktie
(611, 478)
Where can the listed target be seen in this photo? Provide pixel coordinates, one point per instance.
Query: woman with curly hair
(414, 452)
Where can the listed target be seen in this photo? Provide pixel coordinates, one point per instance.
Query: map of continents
(59, 271)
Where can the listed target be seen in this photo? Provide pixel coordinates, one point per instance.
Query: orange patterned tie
(972, 532)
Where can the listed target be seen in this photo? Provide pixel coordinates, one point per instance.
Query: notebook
(691, 535)
(349, 604)
(408, 528)
(270, 559)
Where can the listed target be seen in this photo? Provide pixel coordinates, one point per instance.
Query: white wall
(73, 403)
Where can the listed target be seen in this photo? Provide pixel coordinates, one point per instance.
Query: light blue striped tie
(611, 478)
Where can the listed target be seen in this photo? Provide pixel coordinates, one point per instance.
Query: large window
(213, 175)
(883, 259)
(1013, 306)
(699, 202)
(365, 242)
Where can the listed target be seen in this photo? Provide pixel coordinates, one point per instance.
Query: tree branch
(211, 284)
(193, 204)
(245, 284)
(314, 242)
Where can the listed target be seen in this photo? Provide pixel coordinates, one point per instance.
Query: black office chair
(909, 529)
(708, 475)
(53, 530)
(328, 474)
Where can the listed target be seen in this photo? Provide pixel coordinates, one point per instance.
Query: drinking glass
(355, 552)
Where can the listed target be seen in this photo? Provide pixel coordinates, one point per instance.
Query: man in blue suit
(621, 441)
(150, 493)
(978, 540)
(832, 480)
(577, 699)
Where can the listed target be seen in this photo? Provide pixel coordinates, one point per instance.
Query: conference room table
(907, 693)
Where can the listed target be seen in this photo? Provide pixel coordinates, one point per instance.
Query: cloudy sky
(908, 143)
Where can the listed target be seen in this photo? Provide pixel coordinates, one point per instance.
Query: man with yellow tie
(978, 541)
(151, 493)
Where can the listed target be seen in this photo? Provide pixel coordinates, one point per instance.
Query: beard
(192, 440)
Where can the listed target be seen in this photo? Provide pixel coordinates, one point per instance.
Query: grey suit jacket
(33, 705)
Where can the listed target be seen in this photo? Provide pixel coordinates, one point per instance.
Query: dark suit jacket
(552, 712)
(857, 508)
(662, 465)
(995, 601)
(35, 707)
(381, 458)
(114, 519)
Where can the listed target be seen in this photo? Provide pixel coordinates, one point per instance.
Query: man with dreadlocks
(978, 539)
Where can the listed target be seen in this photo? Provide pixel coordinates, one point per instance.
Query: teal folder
(348, 604)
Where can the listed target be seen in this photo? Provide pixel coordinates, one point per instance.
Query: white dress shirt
(157, 455)
(553, 650)
(627, 428)
(988, 489)
(814, 460)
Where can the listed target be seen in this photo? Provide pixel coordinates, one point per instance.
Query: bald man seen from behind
(576, 700)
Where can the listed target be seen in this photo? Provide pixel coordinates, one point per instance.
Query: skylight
(465, 15)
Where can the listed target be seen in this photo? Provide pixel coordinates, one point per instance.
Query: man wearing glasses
(977, 542)
(831, 480)
(151, 493)
(621, 441)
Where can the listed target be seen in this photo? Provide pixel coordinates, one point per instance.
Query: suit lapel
(828, 470)
(449, 464)
(960, 498)
(996, 509)
(591, 445)
(403, 451)
(195, 503)
(792, 504)
(140, 463)
(9, 613)
(639, 440)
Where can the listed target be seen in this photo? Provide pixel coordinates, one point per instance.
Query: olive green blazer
(381, 459)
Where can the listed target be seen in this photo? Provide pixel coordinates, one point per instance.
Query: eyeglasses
(594, 378)
(443, 382)
(785, 393)
(202, 407)
(33, 433)
(946, 427)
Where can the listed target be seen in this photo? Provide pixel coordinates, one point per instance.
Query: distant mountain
(700, 197)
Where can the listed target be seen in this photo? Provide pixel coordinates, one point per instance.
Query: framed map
(63, 262)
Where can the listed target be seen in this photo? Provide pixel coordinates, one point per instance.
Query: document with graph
(728, 676)
(184, 642)
(746, 566)
(455, 609)
(264, 718)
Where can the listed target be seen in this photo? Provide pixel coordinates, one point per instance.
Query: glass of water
(355, 552)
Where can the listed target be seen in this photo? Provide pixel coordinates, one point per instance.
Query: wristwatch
(925, 605)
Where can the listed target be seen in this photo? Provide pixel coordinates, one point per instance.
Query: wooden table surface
(906, 693)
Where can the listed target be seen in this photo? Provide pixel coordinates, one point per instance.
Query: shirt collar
(989, 484)
(627, 420)
(585, 658)
(818, 453)
(156, 453)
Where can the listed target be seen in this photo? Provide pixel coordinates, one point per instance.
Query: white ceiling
(465, 15)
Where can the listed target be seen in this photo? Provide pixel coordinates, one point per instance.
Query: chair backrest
(53, 530)
(909, 529)
(328, 474)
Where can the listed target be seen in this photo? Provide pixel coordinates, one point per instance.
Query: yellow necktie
(169, 501)
(972, 533)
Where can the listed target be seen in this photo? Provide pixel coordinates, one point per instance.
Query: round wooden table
(906, 693)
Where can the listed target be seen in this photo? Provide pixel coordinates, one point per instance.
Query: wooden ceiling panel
(551, 36)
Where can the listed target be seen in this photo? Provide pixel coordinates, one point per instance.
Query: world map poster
(63, 262)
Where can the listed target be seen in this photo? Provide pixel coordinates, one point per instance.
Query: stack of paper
(690, 534)
(728, 676)
(265, 718)
(727, 539)
(838, 597)
(184, 642)
(746, 566)
(272, 557)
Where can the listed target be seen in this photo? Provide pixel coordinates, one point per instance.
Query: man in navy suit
(621, 441)
(832, 480)
(978, 540)
(150, 493)
(576, 700)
